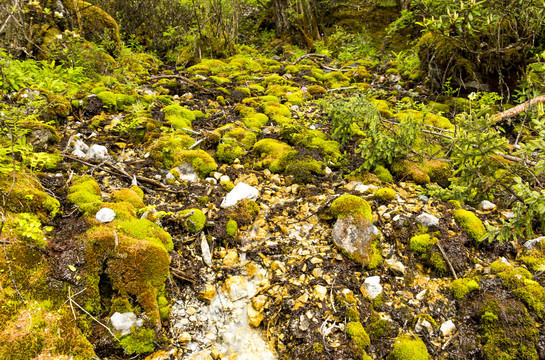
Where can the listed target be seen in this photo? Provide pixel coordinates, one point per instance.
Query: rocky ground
(305, 261)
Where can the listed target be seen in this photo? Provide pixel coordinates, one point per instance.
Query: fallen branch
(91, 316)
(308, 56)
(514, 111)
(182, 78)
(447, 260)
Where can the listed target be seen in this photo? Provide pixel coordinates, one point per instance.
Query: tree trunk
(295, 21)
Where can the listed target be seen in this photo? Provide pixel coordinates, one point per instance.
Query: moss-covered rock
(275, 154)
(462, 287)
(143, 229)
(200, 160)
(383, 174)
(27, 196)
(135, 267)
(86, 194)
(346, 205)
(96, 24)
(166, 151)
(304, 171)
(130, 196)
(407, 347)
(358, 334)
(405, 169)
(471, 224)
(438, 171)
(385, 194)
(193, 219)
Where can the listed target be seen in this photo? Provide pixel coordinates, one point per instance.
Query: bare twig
(447, 259)
(91, 316)
(514, 111)
(182, 78)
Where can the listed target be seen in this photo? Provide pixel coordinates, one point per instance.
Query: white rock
(448, 328)
(224, 178)
(240, 191)
(427, 220)
(395, 266)
(361, 188)
(77, 147)
(423, 324)
(531, 244)
(123, 322)
(486, 205)
(105, 215)
(187, 173)
(205, 249)
(98, 152)
(371, 287)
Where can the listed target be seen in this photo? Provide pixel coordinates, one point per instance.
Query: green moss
(135, 267)
(123, 210)
(227, 185)
(385, 194)
(166, 151)
(409, 348)
(422, 244)
(426, 118)
(201, 161)
(461, 287)
(406, 169)
(455, 204)
(358, 334)
(471, 224)
(139, 342)
(128, 195)
(144, 229)
(244, 212)
(244, 90)
(346, 205)
(176, 109)
(438, 171)
(275, 154)
(383, 174)
(275, 110)
(376, 258)
(231, 228)
(316, 90)
(27, 197)
(227, 153)
(535, 261)
(194, 219)
(304, 171)
(86, 194)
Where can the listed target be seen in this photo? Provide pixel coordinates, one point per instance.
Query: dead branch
(514, 111)
(447, 259)
(182, 78)
(309, 56)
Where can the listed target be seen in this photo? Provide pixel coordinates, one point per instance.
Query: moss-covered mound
(275, 154)
(470, 223)
(350, 205)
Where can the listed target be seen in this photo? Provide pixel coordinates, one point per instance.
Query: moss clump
(129, 196)
(358, 334)
(231, 228)
(275, 110)
(383, 174)
(507, 330)
(234, 143)
(166, 151)
(27, 197)
(426, 118)
(346, 205)
(305, 171)
(519, 280)
(201, 161)
(134, 267)
(193, 219)
(409, 348)
(406, 169)
(471, 224)
(385, 194)
(244, 212)
(139, 342)
(275, 154)
(228, 153)
(461, 287)
(438, 171)
(422, 244)
(86, 194)
(316, 90)
(144, 229)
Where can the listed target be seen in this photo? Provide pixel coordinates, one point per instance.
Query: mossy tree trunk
(295, 21)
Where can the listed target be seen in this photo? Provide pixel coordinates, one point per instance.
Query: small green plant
(29, 229)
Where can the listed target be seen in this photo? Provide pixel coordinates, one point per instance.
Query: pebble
(423, 198)
(448, 328)
(427, 220)
(531, 244)
(486, 205)
(240, 191)
(105, 215)
(371, 287)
